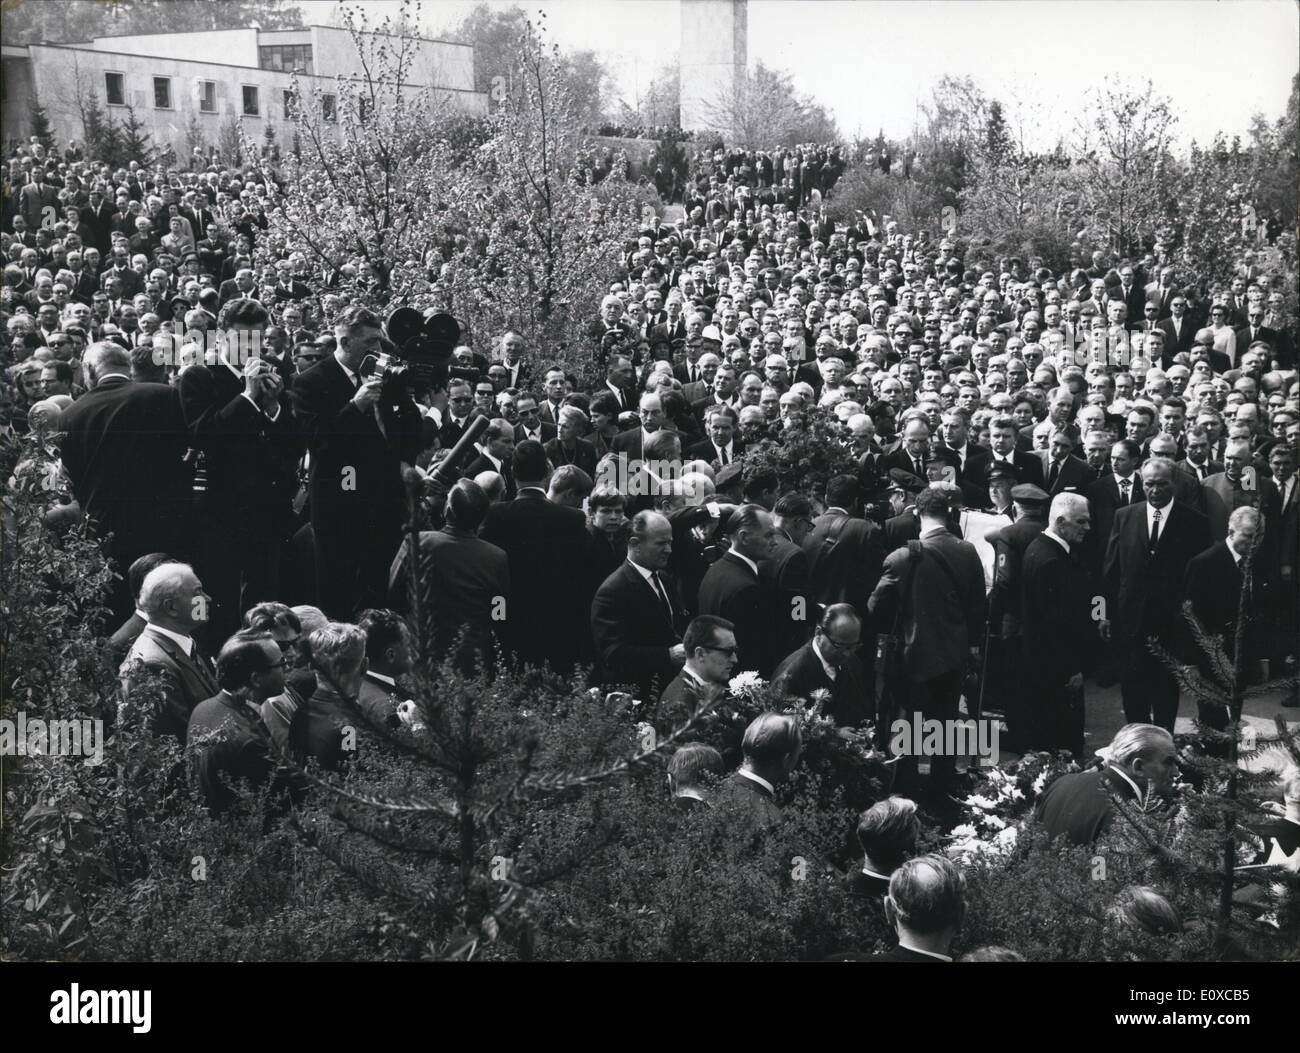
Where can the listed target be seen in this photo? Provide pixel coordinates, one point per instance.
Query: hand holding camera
(367, 396)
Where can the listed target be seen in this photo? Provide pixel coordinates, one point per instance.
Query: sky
(871, 61)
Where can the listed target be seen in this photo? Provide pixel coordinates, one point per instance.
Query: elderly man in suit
(123, 449)
(938, 585)
(174, 606)
(731, 588)
(1139, 762)
(466, 579)
(1059, 633)
(635, 613)
(1239, 485)
(1150, 545)
(1213, 587)
(829, 663)
(926, 905)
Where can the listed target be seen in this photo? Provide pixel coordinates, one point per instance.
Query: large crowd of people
(1043, 465)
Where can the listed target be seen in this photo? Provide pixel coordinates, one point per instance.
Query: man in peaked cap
(1005, 597)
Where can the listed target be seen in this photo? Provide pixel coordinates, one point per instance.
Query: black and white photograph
(569, 482)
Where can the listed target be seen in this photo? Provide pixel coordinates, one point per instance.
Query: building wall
(435, 62)
(238, 47)
(15, 89)
(714, 53)
(56, 72)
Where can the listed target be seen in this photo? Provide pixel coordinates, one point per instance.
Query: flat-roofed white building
(212, 77)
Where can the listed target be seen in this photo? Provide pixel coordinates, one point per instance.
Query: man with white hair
(1058, 631)
(164, 675)
(1139, 762)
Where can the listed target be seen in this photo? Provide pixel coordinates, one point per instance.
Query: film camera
(417, 351)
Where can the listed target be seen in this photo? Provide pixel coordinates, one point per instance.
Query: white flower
(980, 801)
(995, 821)
(746, 684)
(1040, 782)
(964, 832)
(1006, 839)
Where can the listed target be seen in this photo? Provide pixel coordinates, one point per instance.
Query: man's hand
(272, 388)
(367, 396)
(255, 371)
(677, 654)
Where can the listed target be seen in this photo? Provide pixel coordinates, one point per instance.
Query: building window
(207, 96)
(328, 108)
(162, 93)
(115, 86)
(286, 58)
(250, 100)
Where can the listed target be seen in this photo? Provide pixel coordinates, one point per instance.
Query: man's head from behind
(338, 651)
(927, 902)
(772, 745)
(692, 767)
(887, 833)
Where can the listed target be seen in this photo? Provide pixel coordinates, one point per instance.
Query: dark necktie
(1155, 529)
(722, 456)
(663, 597)
(1053, 474)
(1123, 491)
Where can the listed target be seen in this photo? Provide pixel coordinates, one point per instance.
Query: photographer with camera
(239, 421)
(362, 429)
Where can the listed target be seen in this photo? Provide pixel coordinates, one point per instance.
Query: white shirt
(185, 643)
(1164, 517)
(928, 954)
(1284, 491)
(830, 669)
(747, 561)
(1125, 776)
(381, 678)
(745, 773)
(1120, 480)
(1058, 539)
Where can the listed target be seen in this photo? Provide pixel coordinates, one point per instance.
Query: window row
(250, 97)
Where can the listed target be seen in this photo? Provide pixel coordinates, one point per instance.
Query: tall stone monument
(714, 52)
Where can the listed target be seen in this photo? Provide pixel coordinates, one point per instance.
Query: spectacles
(461, 398)
(286, 645)
(730, 651)
(842, 647)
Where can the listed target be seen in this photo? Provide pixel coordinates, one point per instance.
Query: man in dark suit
(973, 462)
(940, 592)
(227, 741)
(174, 605)
(1140, 763)
(887, 833)
(914, 451)
(497, 448)
(1005, 684)
(771, 746)
(722, 446)
(784, 574)
(1213, 587)
(1238, 485)
(1177, 326)
(1061, 471)
(925, 906)
(1150, 545)
(1003, 436)
(1282, 517)
(238, 419)
(1254, 329)
(124, 449)
(97, 217)
(710, 645)
(547, 547)
(1056, 609)
(690, 771)
(635, 614)
(829, 663)
(531, 426)
(731, 587)
(361, 432)
(465, 577)
(1120, 486)
(333, 732)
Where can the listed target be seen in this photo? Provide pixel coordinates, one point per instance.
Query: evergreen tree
(136, 143)
(41, 125)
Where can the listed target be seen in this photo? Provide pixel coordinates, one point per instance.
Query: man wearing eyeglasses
(710, 645)
(829, 662)
(226, 738)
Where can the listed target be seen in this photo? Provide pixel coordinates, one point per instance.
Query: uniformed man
(1009, 543)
